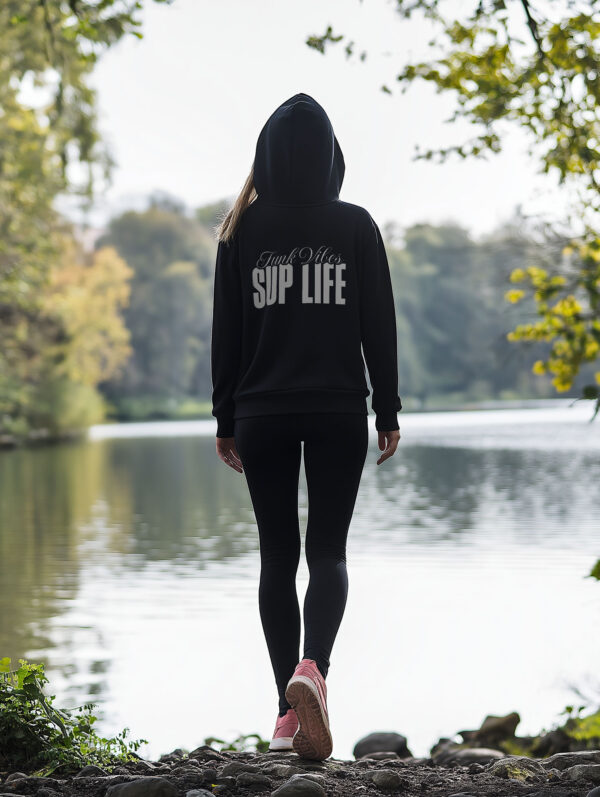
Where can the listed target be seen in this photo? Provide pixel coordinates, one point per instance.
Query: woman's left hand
(227, 451)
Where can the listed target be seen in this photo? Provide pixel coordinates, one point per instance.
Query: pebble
(252, 779)
(298, 786)
(463, 794)
(584, 772)
(15, 776)
(199, 793)
(143, 787)
(235, 767)
(518, 768)
(387, 779)
(91, 771)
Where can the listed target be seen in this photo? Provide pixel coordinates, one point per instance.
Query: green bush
(39, 738)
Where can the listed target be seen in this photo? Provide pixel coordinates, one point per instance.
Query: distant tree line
(451, 304)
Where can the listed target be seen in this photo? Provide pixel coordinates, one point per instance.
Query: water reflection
(126, 545)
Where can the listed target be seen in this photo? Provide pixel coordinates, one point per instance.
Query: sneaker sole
(313, 737)
(281, 743)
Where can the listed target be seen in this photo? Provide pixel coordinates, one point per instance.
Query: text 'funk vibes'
(322, 274)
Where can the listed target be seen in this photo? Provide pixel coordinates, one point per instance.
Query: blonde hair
(228, 225)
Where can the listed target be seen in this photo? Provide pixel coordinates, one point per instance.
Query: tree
(169, 315)
(506, 62)
(49, 145)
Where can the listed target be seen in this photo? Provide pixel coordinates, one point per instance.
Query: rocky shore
(382, 764)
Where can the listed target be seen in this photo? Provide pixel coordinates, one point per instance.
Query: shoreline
(206, 771)
(43, 437)
(490, 761)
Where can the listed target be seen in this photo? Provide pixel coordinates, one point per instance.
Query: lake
(130, 565)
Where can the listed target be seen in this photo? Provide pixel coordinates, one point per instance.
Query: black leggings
(335, 449)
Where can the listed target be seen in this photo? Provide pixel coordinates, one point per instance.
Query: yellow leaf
(514, 295)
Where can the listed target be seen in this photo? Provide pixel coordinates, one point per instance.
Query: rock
(474, 755)
(143, 787)
(584, 772)
(144, 766)
(226, 781)
(565, 760)
(450, 753)
(186, 772)
(206, 752)
(210, 773)
(199, 793)
(387, 779)
(281, 770)
(186, 762)
(475, 767)
(91, 771)
(556, 741)
(15, 776)
(593, 793)
(518, 768)
(299, 786)
(493, 730)
(310, 776)
(462, 794)
(380, 755)
(235, 767)
(257, 779)
(170, 758)
(382, 742)
(29, 782)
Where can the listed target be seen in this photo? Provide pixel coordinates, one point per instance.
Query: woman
(301, 281)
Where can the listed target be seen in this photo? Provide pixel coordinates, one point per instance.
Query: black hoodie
(301, 285)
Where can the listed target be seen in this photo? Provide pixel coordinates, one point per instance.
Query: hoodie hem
(300, 401)
(296, 204)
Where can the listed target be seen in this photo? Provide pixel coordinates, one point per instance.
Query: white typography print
(321, 272)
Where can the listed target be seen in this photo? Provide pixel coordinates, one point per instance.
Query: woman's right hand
(388, 443)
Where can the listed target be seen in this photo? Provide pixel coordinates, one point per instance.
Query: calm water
(129, 563)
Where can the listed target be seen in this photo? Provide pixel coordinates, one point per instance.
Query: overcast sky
(182, 109)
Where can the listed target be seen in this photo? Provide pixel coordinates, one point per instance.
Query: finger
(234, 454)
(390, 450)
(224, 454)
(232, 464)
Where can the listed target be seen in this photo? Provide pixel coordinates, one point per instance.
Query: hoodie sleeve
(226, 336)
(378, 328)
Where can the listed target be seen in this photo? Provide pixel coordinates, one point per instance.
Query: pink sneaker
(285, 728)
(307, 693)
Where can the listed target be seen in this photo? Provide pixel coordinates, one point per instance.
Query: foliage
(568, 304)
(38, 737)
(146, 408)
(49, 145)
(86, 294)
(582, 728)
(71, 337)
(504, 62)
(450, 313)
(169, 315)
(595, 571)
(241, 744)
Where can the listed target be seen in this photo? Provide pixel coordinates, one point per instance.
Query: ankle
(321, 667)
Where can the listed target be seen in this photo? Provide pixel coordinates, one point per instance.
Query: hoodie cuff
(225, 427)
(387, 422)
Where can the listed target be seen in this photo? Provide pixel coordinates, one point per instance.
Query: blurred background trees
(122, 329)
(535, 65)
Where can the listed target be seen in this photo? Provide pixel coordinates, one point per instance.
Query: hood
(298, 159)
